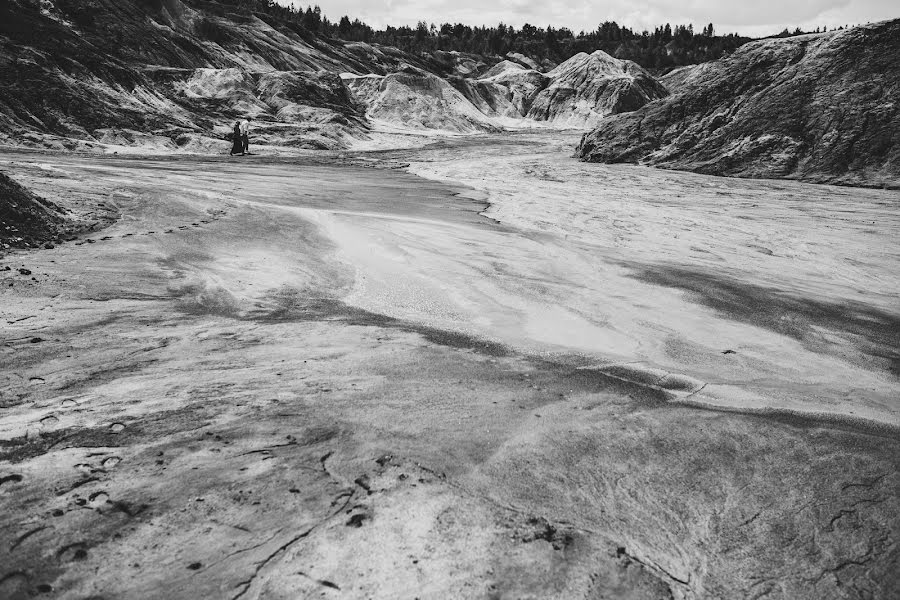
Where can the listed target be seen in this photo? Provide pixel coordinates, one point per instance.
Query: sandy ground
(287, 378)
(780, 295)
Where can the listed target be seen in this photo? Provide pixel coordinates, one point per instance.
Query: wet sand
(303, 377)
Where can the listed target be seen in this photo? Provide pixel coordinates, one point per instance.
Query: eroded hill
(172, 73)
(588, 87)
(820, 107)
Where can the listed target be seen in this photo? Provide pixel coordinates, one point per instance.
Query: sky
(747, 17)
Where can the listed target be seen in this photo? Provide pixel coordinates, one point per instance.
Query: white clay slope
(419, 101)
(588, 87)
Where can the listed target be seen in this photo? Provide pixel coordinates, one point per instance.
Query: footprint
(14, 585)
(112, 461)
(14, 478)
(98, 499)
(356, 520)
(72, 552)
(117, 427)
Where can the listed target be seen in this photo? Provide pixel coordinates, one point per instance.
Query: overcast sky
(749, 17)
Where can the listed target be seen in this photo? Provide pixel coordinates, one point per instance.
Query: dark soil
(27, 220)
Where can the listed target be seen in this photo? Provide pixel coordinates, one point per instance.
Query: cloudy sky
(750, 17)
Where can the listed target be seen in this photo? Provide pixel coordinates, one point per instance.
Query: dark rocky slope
(819, 107)
(26, 219)
(75, 72)
(175, 74)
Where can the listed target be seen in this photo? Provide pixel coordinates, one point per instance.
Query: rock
(24, 272)
(588, 87)
(817, 107)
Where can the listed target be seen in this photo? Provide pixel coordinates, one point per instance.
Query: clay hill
(818, 107)
(170, 75)
(579, 93)
(416, 99)
(588, 87)
(173, 73)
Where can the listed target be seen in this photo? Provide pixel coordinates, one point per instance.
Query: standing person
(237, 141)
(245, 134)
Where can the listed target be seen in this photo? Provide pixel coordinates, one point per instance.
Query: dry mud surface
(290, 378)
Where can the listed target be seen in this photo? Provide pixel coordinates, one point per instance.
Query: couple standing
(241, 140)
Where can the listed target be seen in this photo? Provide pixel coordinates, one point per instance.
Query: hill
(818, 107)
(170, 75)
(417, 100)
(173, 73)
(588, 87)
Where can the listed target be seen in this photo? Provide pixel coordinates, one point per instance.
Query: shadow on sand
(871, 331)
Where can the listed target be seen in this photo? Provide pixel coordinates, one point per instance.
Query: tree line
(662, 49)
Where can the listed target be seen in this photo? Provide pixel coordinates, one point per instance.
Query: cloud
(753, 17)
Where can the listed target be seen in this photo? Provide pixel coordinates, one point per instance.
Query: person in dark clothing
(245, 134)
(237, 141)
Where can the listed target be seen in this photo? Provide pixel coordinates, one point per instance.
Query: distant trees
(788, 33)
(663, 48)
